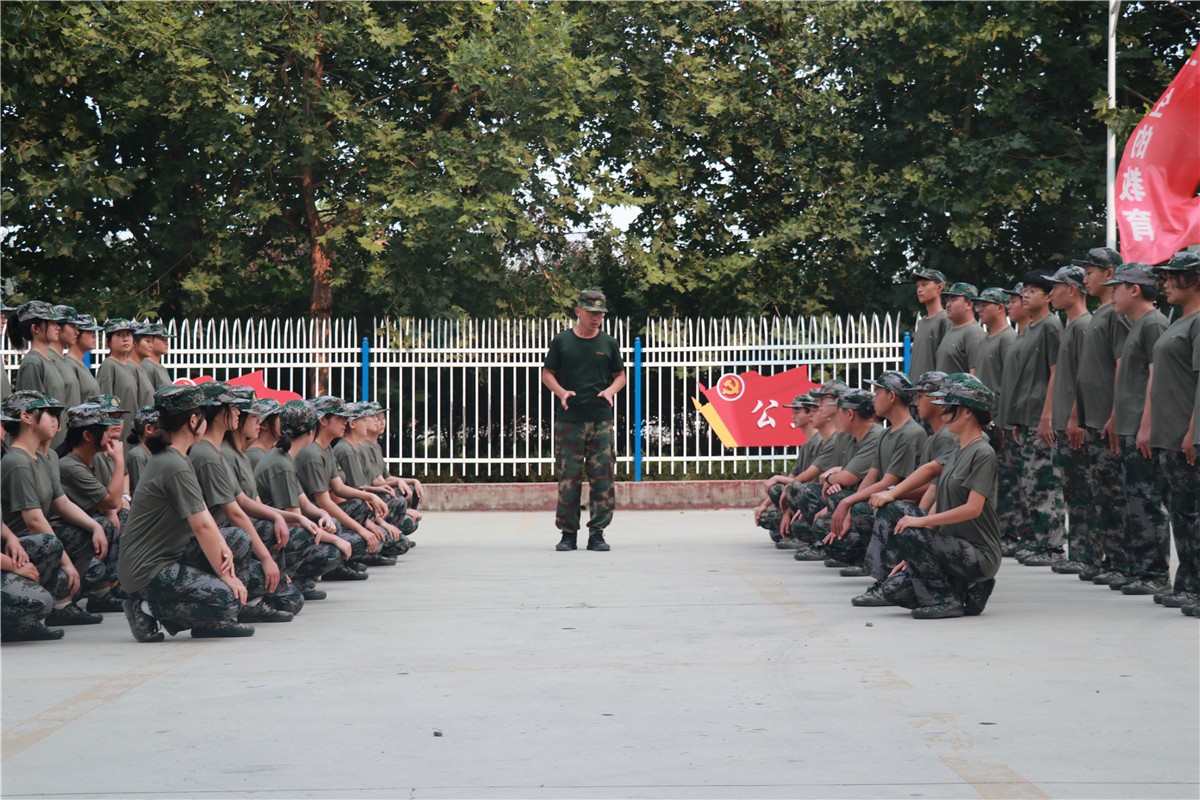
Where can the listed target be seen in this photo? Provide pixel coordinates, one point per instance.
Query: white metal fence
(466, 399)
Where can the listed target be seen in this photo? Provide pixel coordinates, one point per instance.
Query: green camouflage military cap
(110, 403)
(117, 324)
(992, 294)
(830, 389)
(592, 300)
(37, 310)
(157, 329)
(265, 407)
(296, 418)
(179, 399)
(963, 389)
(857, 400)
(960, 289)
(1134, 273)
(5, 417)
(359, 410)
(85, 415)
(928, 275)
(25, 400)
(377, 407)
(930, 381)
(797, 402)
(1102, 257)
(1070, 275)
(1015, 291)
(245, 397)
(1183, 261)
(140, 328)
(146, 415)
(329, 406)
(86, 322)
(65, 314)
(897, 382)
(217, 393)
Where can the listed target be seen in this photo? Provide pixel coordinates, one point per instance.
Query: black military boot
(568, 542)
(596, 542)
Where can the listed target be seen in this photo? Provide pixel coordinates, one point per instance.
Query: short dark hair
(1039, 279)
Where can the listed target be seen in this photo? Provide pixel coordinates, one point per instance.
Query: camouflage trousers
(772, 517)
(397, 508)
(1041, 494)
(182, 596)
(882, 554)
(1074, 468)
(1146, 536)
(1183, 502)
(851, 548)
(1106, 501)
(301, 559)
(23, 603)
(806, 500)
(360, 512)
(584, 447)
(45, 553)
(245, 565)
(114, 542)
(939, 568)
(1008, 503)
(77, 543)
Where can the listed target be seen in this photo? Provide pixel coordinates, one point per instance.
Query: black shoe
(105, 605)
(261, 612)
(225, 630)
(596, 542)
(379, 560)
(806, 553)
(569, 542)
(144, 627)
(940, 611)
(871, 598)
(977, 597)
(345, 573)
(315, 594)
(287, 597)
(33, 632)
(357, 566)
(1090, 574)
(853, 572)
(833, 563)
(71, 614)
(1180, 599)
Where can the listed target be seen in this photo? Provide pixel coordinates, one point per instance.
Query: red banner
(746, 410)
(1158, 213)
(252, 379)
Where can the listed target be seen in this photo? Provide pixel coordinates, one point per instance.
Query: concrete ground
(694, 660)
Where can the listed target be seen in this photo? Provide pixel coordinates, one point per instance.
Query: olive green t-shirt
(1134, 371)
(215, 479)
(959, 348)
(157, 531)
(1008, 383)
(833, 452)
(1103, 342)
(156, 374)
(350, 464)
(277, 481)
(136, 459)
(900, 449)
(72, 391)
(27, 482)
(808, 452)
(316, 467)
(243, 471)
(973, 469)
(255, 454)
(120, 379)
(88, 385)
(41, 374)
(1038, 353)
(941, 447)
(991, 356)
(1065, 370)
(1171, 399)
(586, 367)
(366, 462)
(925, 343)
(860, 454)
(378, 464)
(80, 483)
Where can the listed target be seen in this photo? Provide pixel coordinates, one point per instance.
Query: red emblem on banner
(731, 387)
(747, 410)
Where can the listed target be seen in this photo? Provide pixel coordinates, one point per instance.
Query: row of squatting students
(1097, 417)
(204, 544)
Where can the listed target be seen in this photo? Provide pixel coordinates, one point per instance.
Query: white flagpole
(1114, 12)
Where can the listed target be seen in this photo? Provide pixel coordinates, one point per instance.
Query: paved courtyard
(694, 660)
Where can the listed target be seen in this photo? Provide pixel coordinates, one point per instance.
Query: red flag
(1158, 213)
(252, 379)
(747, 410)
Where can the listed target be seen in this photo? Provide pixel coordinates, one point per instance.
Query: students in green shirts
(152, 346)
(934, 324)
(1143, 565)
(37, 325)
(1008, 455)
(802, 498)
(766, 513)
(960, 345)
(145, 423)
(117, 374)
(83, 341)
(24, 602)
(268, 431)
(992, 352)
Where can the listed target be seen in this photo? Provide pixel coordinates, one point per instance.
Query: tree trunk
(321, 299)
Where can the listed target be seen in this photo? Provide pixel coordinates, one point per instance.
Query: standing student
(1067, 436)
(82, 342)
(118, 375)
(584, 370)
(1173, 373)
(174, 563)
(992, 353)
(1103, 342)
(68, 334)
(952, 554)
(154, 345)
(37, 325)
(1143, 566)
(959, 347)
(933, 327)
(1008, 457)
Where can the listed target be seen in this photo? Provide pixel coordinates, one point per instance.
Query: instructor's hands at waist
(565, 394)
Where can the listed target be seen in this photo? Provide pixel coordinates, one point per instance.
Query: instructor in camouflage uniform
(584, 370)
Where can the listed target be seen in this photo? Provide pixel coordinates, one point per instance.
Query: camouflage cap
(799, 401)
(179, 399)
(146, 415)
(1015, 291)
(829, 389)
(592, 300)
(329, 406)
(895, 381)
(857, 400)
(140, 328)
(993, 294)
(4, 415)
(966, 290)
(296, 418)
(86, 322)
(117, 324)
(217, 393)
(923, 274)
(265, 407)
(1134, 273)
(85, 415)
(110, 403)
(65, 314)
(930, 381)
(1183, 261)
(377, 407)
(245, 397)
(359, 410)
(963, 389)
(1070, 275)
(24, 400)
(157, 329)
(37, 310)
(1102, 257)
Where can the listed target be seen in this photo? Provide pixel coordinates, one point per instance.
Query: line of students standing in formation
(218, 510)
(1081, 456)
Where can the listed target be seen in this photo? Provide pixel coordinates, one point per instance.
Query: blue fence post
(907, 352)
(366, 367)
(87, 359)
(637, 409)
